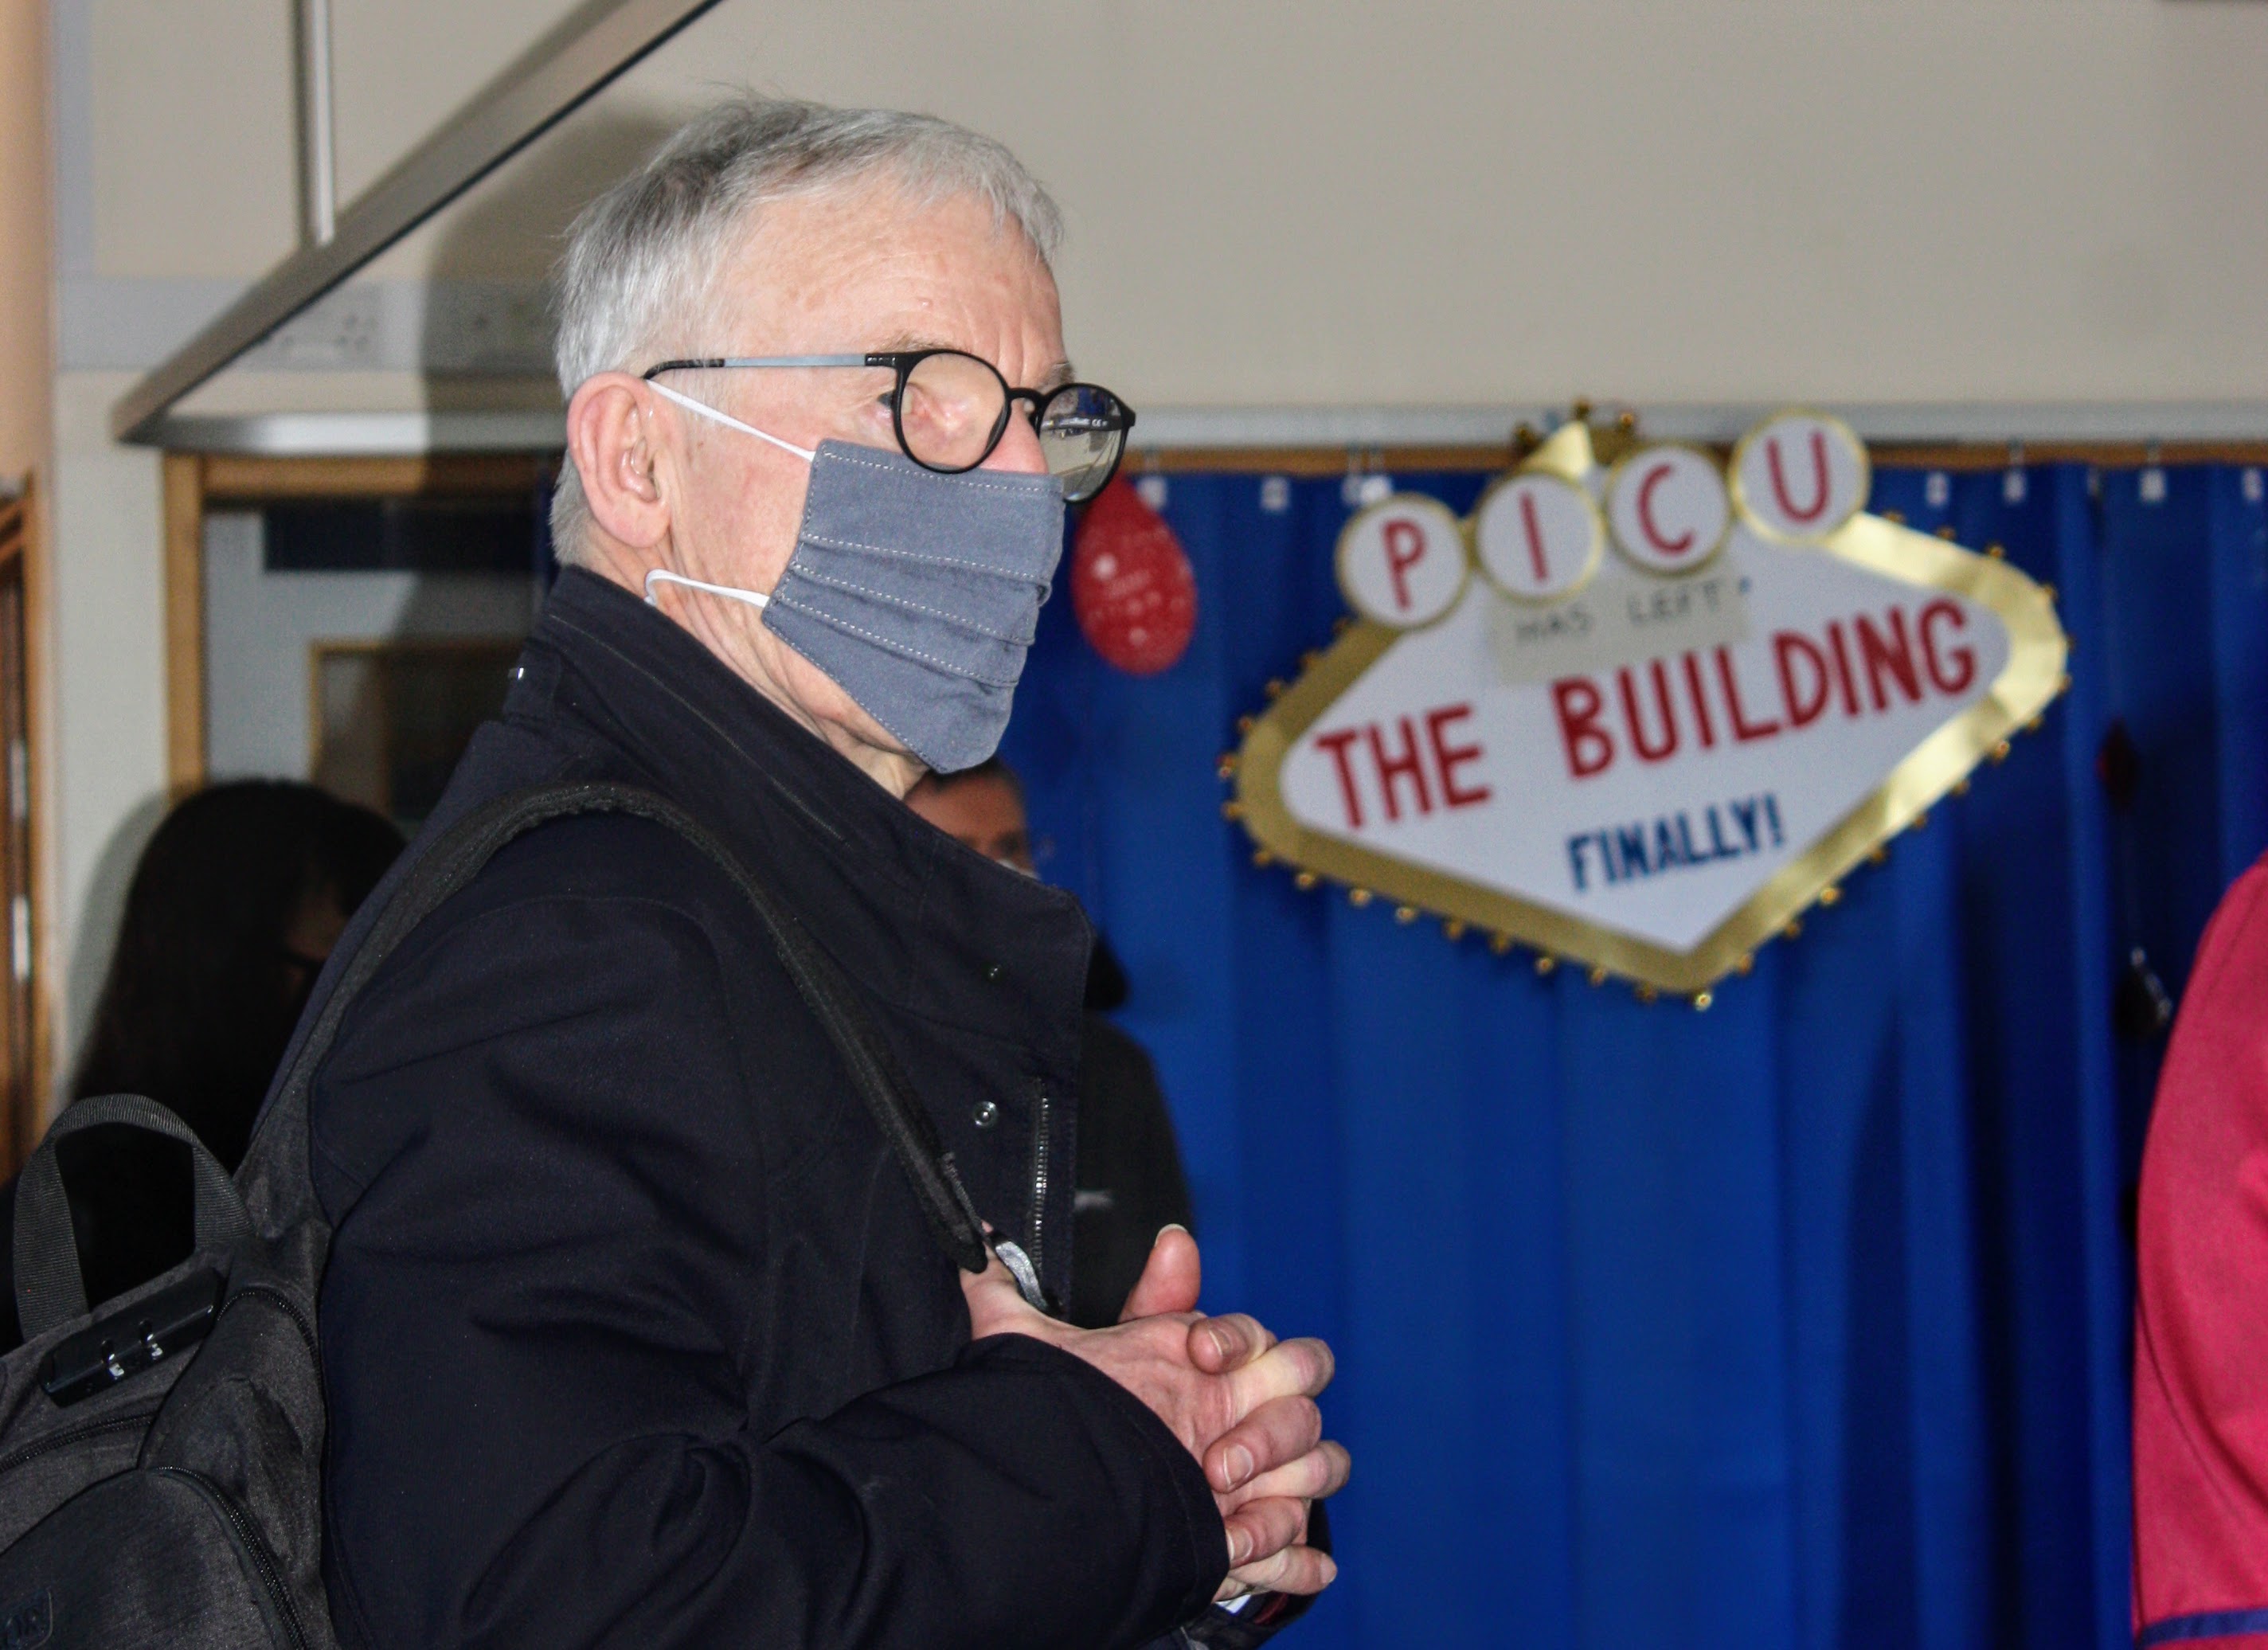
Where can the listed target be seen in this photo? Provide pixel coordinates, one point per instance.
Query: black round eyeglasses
(950, 409)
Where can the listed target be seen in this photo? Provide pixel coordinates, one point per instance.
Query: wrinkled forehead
(872, 265)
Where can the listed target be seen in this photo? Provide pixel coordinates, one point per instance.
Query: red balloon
(1131, 585)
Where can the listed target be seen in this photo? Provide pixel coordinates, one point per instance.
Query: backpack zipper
(289, 1306)
(248, 1538)
(72, 1435)
(95, 1429)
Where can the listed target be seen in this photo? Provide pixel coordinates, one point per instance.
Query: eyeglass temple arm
(760, 360)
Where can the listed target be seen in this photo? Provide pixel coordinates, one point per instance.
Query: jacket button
(993, 973)
(986, 1113)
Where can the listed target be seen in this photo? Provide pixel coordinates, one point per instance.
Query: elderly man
(633, 1329)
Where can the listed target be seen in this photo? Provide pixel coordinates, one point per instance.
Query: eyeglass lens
(952, 410)
(1081, 430)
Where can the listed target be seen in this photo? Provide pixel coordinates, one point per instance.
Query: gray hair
(643, 261)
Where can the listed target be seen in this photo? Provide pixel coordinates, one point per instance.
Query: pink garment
(2201, 1315)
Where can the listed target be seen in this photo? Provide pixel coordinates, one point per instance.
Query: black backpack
(160, 1459)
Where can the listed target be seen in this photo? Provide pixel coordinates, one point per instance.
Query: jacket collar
(918, 919)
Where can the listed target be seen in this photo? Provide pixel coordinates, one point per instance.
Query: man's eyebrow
(906, 344)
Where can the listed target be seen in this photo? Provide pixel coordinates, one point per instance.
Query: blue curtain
(1801, 1322)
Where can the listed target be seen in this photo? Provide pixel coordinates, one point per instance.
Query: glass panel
(393, 718)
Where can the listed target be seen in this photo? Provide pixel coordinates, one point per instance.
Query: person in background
(2201, 1307)
(234, 907)
(1129, 1170)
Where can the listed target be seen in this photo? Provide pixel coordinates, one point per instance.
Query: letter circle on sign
(1538, 536)
(1403, 561)
(1799, 476)
(1668, 508)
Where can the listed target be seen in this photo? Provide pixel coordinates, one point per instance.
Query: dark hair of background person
(234, 907)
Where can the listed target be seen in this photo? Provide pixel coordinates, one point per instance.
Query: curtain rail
(1319, 460)
(263, 466)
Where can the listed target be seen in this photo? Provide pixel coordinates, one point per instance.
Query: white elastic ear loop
(726, 419)
(754, 598)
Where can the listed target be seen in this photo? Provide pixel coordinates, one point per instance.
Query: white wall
(259, 626)
(108, 649)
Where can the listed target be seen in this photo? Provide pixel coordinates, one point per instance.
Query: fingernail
(1171, 1226)
(1237, 1464)
(1330, 1571)
(1240, 1546)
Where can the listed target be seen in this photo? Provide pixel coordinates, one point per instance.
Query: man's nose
(1019, 447)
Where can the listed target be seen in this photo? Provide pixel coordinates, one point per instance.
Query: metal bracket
(590, 49)
(319, 171)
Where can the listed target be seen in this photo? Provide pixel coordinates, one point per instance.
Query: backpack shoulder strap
(457, 857)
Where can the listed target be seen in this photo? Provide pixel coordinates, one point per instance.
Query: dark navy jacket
(634, 1333)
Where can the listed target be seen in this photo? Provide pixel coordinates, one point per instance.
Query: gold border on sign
(2028, 684)
(1568, 453)
(1456, 537)
(1592, 560)
(1607, 510)
(1739, 494)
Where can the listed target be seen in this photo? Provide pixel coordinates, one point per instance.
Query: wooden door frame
(38, 724)
(185, 622)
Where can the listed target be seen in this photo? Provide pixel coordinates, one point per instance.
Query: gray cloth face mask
(918, 593)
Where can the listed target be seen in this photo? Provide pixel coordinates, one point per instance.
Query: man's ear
(610, 437)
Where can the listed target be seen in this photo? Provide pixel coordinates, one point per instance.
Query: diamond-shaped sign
(1653, 774)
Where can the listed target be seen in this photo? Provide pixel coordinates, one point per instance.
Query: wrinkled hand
(1241, 1401)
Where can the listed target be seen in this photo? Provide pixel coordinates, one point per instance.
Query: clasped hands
(1241, 1401)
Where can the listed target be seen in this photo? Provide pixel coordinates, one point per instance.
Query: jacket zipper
(1042, 1118)
(248, 1538)
(72, 1435)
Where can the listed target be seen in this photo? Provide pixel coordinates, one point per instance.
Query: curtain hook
(2150, 486)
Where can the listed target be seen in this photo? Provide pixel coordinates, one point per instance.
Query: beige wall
(1931, 200)
(1489, 203)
